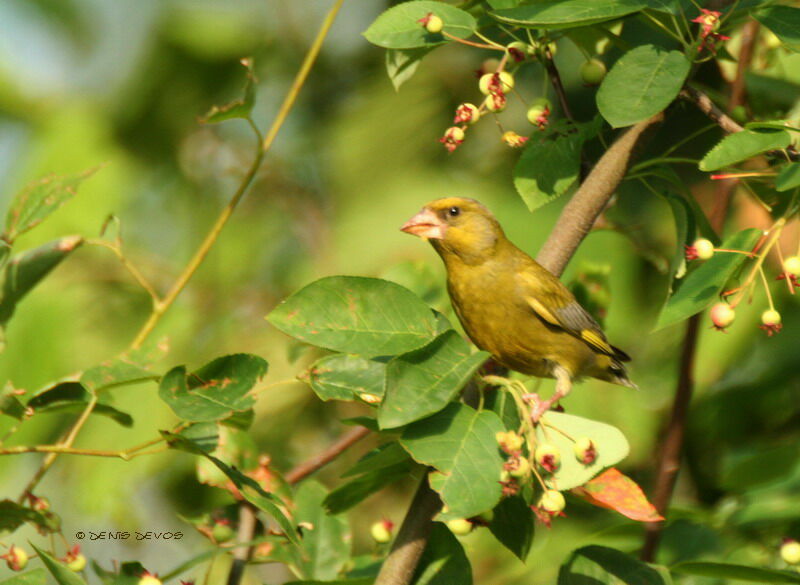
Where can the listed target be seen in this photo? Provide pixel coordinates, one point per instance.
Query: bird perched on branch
(510, 305)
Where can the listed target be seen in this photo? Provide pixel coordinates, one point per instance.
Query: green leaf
(743, 471)
(240, 108)
(13, 515)
(216, 390)
(34, 577)
(643, 82)
(401, 64)
(459, 442)
(25, 270)
(555, 14)
(399, 27)
(374, 471)
(784, 21)
(788, 177)
(600, 565)
(10, 405)
(500, 4)
(39, 199)
(736, 572)
(118, 372)
(233, 447)
(547, 168)
(128, 574)
(59, 571)
(424, 381)
(513, 525)
(248, 487)
(611, 445)
(325, 547)
(73, 397)
(364, 316)
(742, 145)
(356, 581)
(347, 377)
(705, 283)
(443, 562)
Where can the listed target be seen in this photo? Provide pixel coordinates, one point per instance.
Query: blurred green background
(122, 84)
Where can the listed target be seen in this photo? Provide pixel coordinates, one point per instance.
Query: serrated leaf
(247, 486)
(742, 145)
(513, 525)
(443, 562)
(422, 382)
(39, 199)
(736, 572)
(14, 515)
(363, 316)
(240, 108)
(459, 442)
(401, 64)
(114, 373)
(33, 577)
(600, 565)
(643, 82)
(705, 283)
(399, 26)
(347, 377)
(616, 491)
(784, 21)
(26, 270)
(557, 427)
(556, 14)
(216, 390)
(59, 571)
(788, 177)
(73, 397)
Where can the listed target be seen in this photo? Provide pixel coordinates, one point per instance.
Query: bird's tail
(616, 373)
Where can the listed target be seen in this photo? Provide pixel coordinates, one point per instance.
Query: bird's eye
(454, 211)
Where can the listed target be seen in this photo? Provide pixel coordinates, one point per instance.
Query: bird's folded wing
(555, 304)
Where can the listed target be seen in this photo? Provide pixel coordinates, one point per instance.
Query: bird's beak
(426, 225)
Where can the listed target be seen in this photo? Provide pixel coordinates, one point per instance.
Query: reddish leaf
(615, 491)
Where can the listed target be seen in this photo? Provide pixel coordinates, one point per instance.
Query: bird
(513, 307)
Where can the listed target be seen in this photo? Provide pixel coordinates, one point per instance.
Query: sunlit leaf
(513, 525)
(600, 565)
(742, 145)
(736, 572)
(347, 377)
(554, 14)
(58, 570)
(615, 491)
(399, 27)
(33, 577)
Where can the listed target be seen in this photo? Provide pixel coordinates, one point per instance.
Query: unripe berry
(537, 110)
(467, 114)
(792, 265)
(704, 248)
(548, 457)
(495, 103)
(552, 501)
(722, 315)
(460, 526)
(518, 467)
(505, 476)
(593, 72)
(222, 531)
(510, 442)
(434, 24)
(790, 552)
(16, 558)
(149, 578)
(771, 317)
(382, 531)
(518, 50)
(585, 451)
(78, 564)
(500, 82)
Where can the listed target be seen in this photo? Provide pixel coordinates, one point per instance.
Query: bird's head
(456, 225)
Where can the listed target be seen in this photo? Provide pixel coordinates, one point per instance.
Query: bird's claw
(540, 408)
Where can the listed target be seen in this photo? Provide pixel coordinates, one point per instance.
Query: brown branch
(591, 198)
(245, 533)
(710, 109)
(400, 565)
(555, 79)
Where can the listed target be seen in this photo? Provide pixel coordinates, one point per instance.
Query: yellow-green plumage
(510, 305)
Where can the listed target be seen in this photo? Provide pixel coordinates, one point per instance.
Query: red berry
(722, 315)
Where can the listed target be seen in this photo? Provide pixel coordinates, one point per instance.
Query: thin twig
(320, 460)
(555, 79)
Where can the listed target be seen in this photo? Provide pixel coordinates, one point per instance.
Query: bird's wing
(553, 302)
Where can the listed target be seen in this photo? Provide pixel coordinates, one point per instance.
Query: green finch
(510, 305)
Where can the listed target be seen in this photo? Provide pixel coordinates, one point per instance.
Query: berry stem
(774, 234)
(786, 275)
(471, 43)
(766, 287)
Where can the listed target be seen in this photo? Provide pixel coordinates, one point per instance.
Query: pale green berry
(460, 526)
(593, 72)
(552, 501)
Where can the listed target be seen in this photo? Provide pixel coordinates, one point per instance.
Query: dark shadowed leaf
(643, 82)
(364, 316)
(10, 404)
(115, 373)
(424, 381)
(443, 562)
(13, 515)
(784, 21)
(401, 64)
(554, 14)
(25, 270)
(73, 397)
(788, 177)
(39, 199)
(240, 108)
(513, 525)
(736, 572)
(216, 390)
(598, 565)
(459, 442)
(705, 283)
(399, 27)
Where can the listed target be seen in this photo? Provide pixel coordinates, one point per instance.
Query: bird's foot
(542, 406)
